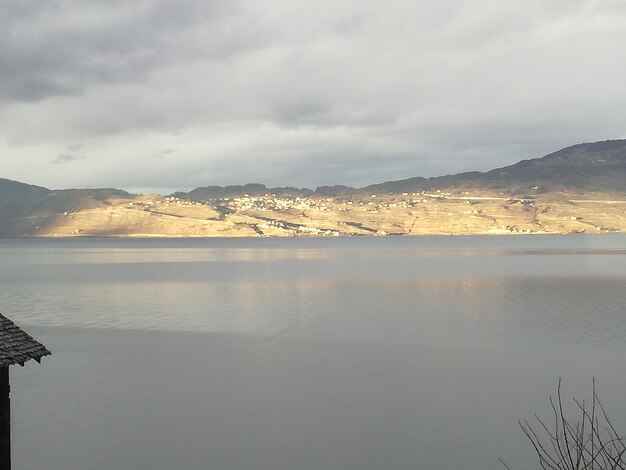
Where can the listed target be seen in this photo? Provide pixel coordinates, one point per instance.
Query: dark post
(16, 347)
(5, 420)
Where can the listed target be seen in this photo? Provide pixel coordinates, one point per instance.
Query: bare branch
(590, 443)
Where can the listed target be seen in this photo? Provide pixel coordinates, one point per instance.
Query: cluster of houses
(271, 202)
(167, 201)
(298, 206)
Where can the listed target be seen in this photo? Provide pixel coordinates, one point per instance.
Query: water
(359, 353)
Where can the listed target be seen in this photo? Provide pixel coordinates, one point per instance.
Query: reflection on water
(312, 353)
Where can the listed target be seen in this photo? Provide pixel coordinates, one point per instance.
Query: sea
(363, 353)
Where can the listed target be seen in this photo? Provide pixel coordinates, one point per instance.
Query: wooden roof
(16, 347)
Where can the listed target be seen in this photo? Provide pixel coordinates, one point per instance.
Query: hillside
(577, 189)
(598, 166)
(25, 208)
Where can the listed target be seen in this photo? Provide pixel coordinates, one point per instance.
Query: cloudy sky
(161, 95)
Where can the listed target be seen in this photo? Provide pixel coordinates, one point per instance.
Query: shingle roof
(16, 347)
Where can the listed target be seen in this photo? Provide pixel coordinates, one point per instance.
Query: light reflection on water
(353, 353)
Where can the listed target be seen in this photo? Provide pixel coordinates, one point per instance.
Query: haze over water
(356, 353)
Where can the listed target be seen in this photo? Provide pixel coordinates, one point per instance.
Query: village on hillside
(419, 213)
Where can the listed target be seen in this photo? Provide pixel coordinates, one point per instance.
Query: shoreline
(214, 237)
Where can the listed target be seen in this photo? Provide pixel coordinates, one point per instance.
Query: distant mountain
(19, 198)
(18, 201)
(27, 198)
(213, 192)
(598, 166)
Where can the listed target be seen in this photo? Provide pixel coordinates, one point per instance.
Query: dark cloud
(64, 47)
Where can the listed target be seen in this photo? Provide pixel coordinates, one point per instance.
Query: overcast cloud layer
(161, 95)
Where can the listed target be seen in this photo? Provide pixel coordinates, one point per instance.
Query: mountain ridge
(582, 166)
(605, 159)
(581, 188)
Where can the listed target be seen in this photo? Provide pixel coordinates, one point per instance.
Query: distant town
(423, 213)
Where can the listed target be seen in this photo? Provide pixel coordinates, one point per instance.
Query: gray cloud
(163, 153)
(300, 92)
(67, 157)
(63, 48)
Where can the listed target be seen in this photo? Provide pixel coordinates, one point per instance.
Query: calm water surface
(356, 353)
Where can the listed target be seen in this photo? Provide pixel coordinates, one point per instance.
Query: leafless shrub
(589, 443)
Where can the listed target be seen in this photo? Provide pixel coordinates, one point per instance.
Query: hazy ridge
(581, 188)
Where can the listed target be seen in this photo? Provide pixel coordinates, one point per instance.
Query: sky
(155, 95)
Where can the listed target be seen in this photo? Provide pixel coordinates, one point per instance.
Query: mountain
(578, 188)
(598, 166)
(18, 199)
(214, 192)
(19, 203)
